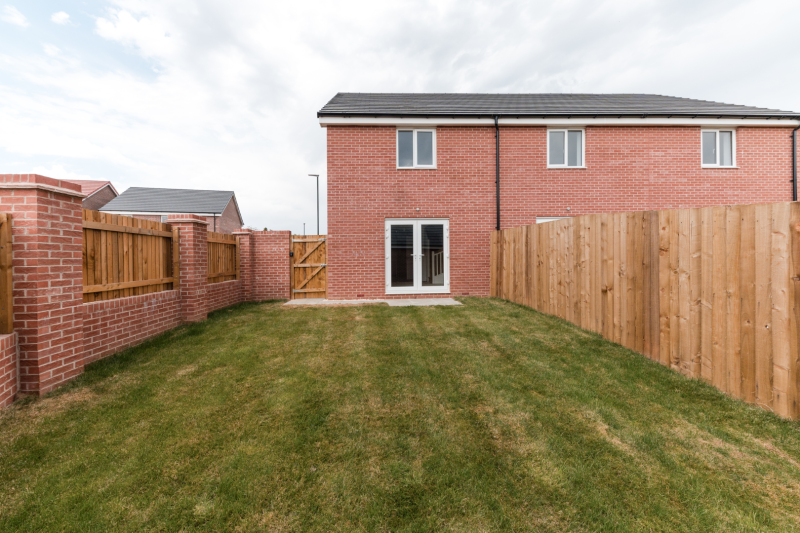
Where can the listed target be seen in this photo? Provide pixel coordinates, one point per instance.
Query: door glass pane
(405, 148)
(425, 148)
(432, 255)
(402, 244)
(556, 155)
(575, 147)
(726, 148)
(709, 148)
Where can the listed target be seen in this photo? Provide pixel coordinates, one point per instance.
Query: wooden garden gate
(309, 261)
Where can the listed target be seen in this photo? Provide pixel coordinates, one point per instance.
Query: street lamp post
(317, 176)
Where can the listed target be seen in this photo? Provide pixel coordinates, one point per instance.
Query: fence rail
(223, 257)
(125, 256)
(711, 292)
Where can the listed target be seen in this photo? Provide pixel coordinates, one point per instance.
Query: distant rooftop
(155, 200)
(89, 187)
(536, 105)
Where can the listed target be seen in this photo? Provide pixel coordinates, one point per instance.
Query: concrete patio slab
(405, 302)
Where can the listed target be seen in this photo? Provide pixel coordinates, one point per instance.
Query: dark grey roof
(534, 105)
(152, 200)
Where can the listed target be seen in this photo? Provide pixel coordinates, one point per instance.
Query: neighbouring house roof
(536, 105)
(89, 187)
(166, 201)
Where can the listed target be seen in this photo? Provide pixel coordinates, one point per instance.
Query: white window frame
(733, 147)
(414, 157)
(566, 147)
(417, 254)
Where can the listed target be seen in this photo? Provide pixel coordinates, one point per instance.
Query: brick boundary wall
(270, 253)
(8, 369)
(113, 325)
(56, 334)
(224, 294)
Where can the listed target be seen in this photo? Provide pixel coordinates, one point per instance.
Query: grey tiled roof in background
(153, 200)
(534, 105)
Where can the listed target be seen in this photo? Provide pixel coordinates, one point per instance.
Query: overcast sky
(214, 94)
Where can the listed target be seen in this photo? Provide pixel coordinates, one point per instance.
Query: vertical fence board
(695, 284)
(733, 309)
(747, 280)
(706, 292)
(684, 291)
(647, 342)
(779, 288)
(719, 366)
(763, 324)
(663, 286)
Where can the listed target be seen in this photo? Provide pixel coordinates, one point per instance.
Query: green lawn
(485, 417)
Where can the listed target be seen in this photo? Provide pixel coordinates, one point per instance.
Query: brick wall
(56, 334)
(628, 168)
(113, 325)
(224, 294)
(47, 233)
(270, 264)
(8, 369)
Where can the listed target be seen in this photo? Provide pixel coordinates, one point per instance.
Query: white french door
(417, 256)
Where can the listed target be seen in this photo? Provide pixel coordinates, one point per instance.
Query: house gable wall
(628, 168)
(97, 200)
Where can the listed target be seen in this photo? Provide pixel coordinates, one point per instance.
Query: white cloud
(51, 50)
(215, 94)
(12, 15)
(60, 17)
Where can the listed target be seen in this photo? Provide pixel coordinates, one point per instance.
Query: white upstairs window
(718, 148)
(565, 149)
(416, 148)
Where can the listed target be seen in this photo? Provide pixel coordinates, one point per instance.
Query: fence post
(47, 277)
(193, 265)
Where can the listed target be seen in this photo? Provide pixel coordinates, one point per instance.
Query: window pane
(709, 147)
(575, 148)
(726, 148)
(432, 255)
(556, 155)
(425, 148)
(402, 258)
(405, 148)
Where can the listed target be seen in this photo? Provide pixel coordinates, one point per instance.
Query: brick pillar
(246, 263)
(194, 265)
(47, 246)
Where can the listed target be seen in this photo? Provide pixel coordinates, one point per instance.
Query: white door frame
(417, 254)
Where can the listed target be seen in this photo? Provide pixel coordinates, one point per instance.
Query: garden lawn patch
(484, 417)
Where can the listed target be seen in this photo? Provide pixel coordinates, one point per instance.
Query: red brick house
(417, 182)
(98, 193)
(219, 208)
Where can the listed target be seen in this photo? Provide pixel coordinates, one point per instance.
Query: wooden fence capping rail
(125, 256)
(712, 292)
(223, 257)
(6, 280)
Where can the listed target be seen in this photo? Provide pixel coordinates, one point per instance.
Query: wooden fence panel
(223, 257)
(714, 292)
(6, 278)
(125, 256)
